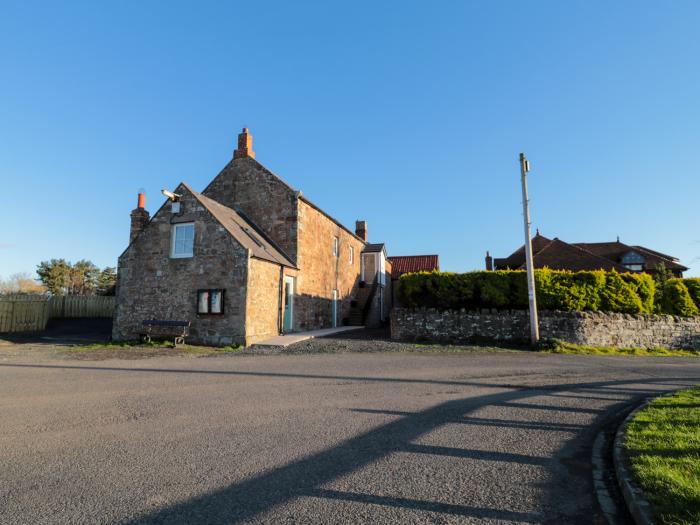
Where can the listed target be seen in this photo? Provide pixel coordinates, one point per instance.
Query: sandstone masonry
(584, 328)
(277, 261)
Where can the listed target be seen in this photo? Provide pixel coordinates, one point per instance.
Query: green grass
(663, 448)
(458, 349)
(560, 347)
(132, 345)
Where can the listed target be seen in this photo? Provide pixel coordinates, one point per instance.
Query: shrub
(693, 286)
(676, 300)
(645, 287)
(619, 296)
(494, 289)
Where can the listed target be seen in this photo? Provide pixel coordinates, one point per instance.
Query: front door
(334, 312)
(288, 303)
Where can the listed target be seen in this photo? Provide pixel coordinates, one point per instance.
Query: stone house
(246, 259)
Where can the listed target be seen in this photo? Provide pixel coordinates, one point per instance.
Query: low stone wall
(585, 328)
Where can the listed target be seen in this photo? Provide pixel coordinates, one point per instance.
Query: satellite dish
(170, 195)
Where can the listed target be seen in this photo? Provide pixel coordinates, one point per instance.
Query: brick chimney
(139, 217)
(489, 262)
(245, 146)
(361, 230)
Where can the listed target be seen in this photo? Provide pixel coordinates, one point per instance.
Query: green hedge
(556, 290)
(676, 299)
(693, 286)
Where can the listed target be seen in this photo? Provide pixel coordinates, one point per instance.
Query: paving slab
(289, 339)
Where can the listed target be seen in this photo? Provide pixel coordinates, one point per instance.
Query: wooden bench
(176, 329)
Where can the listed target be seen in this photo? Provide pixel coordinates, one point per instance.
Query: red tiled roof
(401, 264)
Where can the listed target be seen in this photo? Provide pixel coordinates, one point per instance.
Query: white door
(288, 304)
(334, 312)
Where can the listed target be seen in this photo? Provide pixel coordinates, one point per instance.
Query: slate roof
(373, 248)
(244, 231)
(401, 264)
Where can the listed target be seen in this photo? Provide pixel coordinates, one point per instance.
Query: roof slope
(517, 258)
(373, 248)
(616, 249)
(558, 255)
(401, 264)
(244, 231)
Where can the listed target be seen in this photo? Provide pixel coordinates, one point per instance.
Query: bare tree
(21, 283)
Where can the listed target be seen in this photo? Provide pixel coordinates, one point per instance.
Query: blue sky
(410, 115)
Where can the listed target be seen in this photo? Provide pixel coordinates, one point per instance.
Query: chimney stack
(489, 262)
(245, 146)
(139, 217)
(361, 230)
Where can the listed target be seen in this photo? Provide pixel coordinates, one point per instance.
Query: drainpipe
(280, 310)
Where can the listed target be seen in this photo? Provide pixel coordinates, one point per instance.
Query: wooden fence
(24, 313)
(70, 306)
(30, 313)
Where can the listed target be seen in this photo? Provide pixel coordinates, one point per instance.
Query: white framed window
(336, 246)
(210, 302)
(182, 240)
(352, 254)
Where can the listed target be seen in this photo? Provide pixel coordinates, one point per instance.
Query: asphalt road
(323, 438)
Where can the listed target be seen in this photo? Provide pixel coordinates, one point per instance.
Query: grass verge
(162, 345)
(663, 449)
(561, 347)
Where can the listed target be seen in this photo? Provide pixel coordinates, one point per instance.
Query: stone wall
(321, 271)
(585, 328)
(247, 186)
(263, 301)
(151, 285)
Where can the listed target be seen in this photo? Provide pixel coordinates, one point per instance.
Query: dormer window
(633, 261)
(182, 240)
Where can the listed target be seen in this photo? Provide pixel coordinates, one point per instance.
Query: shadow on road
(306, 477)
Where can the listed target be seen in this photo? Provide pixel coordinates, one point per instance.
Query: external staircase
(359, 308)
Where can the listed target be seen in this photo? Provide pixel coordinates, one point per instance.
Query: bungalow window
(336, 246)
(210, 302)
(182, 240)
(633, 261)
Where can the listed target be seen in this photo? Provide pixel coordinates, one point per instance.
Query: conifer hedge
(556, 290)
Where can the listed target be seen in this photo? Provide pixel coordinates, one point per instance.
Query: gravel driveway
(313, 438)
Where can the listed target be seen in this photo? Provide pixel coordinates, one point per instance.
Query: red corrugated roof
(401, 264)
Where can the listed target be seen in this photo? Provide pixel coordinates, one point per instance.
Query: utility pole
(532, 299)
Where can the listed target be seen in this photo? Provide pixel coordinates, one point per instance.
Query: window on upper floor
(182, 240)
(336, 246)
(633, 261)
(352, 254)
(210, 302)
